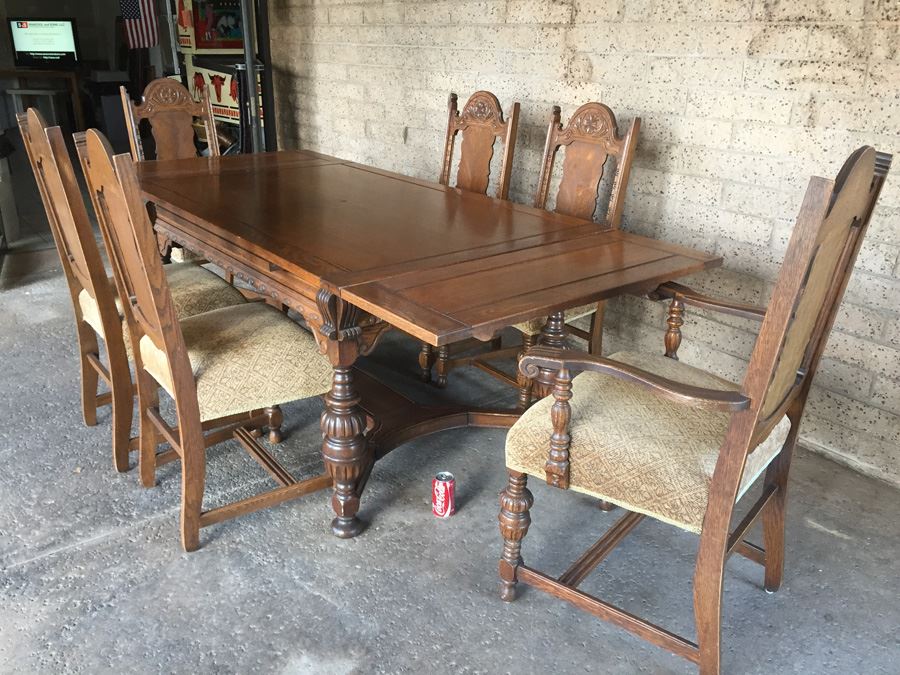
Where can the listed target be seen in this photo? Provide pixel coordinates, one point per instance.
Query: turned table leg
(343, 422)
(525, 383)
(344, 451)
(552, 335)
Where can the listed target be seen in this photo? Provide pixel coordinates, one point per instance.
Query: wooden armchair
(170, 110)
(94, 299)
(678, 444)
(222, 367)
(590, 138)
(481, 123)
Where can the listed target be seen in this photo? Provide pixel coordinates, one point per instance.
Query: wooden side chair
(168, 107)
(590, 139)
(195, 290)
(663, 439)
(481, 124)
(97, 308)
(222, 367)
(93, 299)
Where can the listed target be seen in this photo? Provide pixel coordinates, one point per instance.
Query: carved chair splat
(170, 110)
(767, 407)
(590, 139)
(481, 123)
(168, 107)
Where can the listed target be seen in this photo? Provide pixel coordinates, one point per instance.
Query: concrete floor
(93, 580)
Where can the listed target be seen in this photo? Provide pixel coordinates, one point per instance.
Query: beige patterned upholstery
(534, 326)
(194, 290)
(244, 358)
(636, 449)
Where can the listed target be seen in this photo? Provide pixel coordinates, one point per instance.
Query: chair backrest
(25, 131)
(817, 266)
(169, 108)
(58, 185)
(591, 137)
(106, 231)
(818, 263)
(140, 274)
(481, 123)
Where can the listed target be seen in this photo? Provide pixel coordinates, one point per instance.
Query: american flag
(140, 22)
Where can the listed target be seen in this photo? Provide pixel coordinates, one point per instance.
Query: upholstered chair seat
(636, 449)
(534, 326)
(245, 357)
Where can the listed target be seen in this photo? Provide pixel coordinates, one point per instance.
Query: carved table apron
(357, 250)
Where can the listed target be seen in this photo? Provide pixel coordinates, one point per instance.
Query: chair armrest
(552, 358)
(689, 296)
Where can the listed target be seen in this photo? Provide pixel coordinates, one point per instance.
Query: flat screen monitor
(44, 43)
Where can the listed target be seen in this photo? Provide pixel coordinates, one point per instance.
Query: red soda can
(443, 495)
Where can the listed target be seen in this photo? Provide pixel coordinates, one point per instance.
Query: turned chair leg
(515, 502)
(525, 383)
(87, 344)
(426, 361)
(674, 321)
(441, 365)
(275, 419)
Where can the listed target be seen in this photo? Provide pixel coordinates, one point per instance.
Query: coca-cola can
(443, 495)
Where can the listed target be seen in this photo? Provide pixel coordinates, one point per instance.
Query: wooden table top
(437, 262)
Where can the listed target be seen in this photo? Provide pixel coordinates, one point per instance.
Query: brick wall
(741, 100)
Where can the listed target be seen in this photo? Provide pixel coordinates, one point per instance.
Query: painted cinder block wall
(741, 100)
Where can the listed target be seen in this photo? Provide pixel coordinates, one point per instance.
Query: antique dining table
(356, 250)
